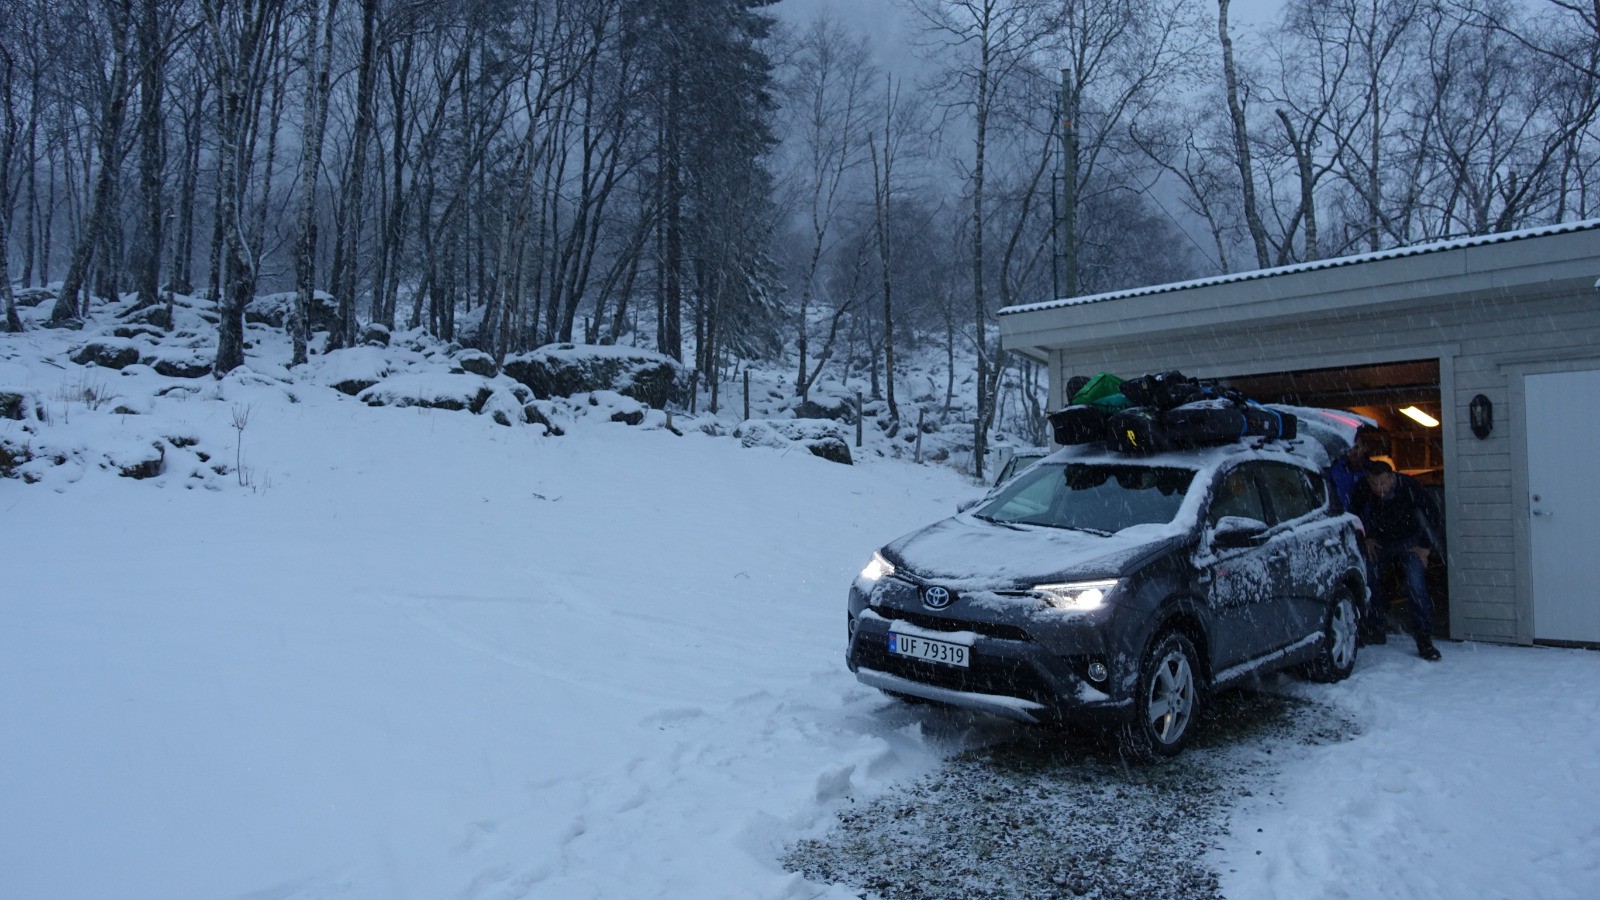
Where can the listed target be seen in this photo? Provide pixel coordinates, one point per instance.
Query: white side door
(1564, 504)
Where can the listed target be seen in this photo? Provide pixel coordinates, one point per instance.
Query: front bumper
(1023, 667)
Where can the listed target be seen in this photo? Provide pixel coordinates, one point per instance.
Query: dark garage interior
(1379, 392)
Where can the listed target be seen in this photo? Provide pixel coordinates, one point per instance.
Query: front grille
(985, 676)
(939, 623)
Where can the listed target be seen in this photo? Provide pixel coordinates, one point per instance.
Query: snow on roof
(1396, 253)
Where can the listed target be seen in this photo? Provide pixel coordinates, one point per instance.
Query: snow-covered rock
(820, 437)
(564, 370)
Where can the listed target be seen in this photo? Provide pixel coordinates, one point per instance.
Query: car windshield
(1102, 498)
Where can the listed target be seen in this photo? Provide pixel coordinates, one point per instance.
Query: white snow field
(422, 655)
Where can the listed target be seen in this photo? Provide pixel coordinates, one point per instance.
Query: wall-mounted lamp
(1420, 417)
(1480, 414)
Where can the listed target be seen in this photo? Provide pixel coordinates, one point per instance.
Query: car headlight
(1078, 596)
(877, 568)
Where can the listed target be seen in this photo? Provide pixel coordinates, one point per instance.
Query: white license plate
(929, 650)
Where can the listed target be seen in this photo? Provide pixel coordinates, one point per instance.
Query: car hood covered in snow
(967, 552)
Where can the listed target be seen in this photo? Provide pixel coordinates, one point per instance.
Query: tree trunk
(319, 60)
(152, 155)
(243, 46)
(182, 266)
(8, 143)
(980, 435)
(1308, 202)
(1241, 141)
(99, 218)
(355, 185)
(882, 194)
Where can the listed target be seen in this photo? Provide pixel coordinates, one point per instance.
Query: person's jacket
(1405, 518)
(1343, 475)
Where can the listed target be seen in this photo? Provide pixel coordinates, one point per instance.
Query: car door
(1243, 582)
(1312, 540)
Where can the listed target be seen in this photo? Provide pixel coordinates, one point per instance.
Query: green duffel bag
(1103, 390)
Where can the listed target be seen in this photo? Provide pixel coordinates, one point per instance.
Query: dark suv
(1100, 585)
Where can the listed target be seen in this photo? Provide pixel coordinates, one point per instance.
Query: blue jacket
(1344, 477)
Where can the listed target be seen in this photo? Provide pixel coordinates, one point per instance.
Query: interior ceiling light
(1420, 417)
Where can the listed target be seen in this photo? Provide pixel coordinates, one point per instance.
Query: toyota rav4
(1118, 588)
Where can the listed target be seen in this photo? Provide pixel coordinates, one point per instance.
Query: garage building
(1496, 339)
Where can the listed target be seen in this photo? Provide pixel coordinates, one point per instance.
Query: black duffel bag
(1205, 422)
(1080, 424)
(1138, 430)
(1163, 390)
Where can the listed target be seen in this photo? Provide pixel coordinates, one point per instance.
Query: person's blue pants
(1416, 585)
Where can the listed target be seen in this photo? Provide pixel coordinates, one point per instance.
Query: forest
(726, 183)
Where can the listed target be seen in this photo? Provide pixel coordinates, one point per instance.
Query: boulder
(839, 410)
(153, 320)
(112, 353)
(12, 457)
(542, 413)
(832, 449)
(351, 370)
(146, 464)
(375, 335)
(433, 391)
(477, 362)
(138, 330)
(34, 296)
(175, 366)
(274, 309)
(565, 370)
(13, 405)
(820, 437)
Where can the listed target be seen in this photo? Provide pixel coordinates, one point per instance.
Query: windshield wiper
(1082, 528)
(993, 521)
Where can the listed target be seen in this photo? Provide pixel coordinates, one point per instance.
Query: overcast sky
(884, 20)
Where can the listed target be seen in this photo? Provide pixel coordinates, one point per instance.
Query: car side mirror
(965, 505)
(1233, 532)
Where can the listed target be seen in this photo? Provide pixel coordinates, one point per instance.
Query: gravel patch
(1048, 813)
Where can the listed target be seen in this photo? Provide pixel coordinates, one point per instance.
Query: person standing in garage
(1348, 470)
(1401, 524)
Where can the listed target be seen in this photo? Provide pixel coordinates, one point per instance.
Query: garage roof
(1562, 258)
(1319, 265)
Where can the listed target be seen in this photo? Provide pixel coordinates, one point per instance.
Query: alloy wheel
(1171, 698)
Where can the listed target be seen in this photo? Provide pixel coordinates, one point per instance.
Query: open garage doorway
(1380, 393)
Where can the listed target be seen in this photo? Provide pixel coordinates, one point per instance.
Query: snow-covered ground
(417, 654)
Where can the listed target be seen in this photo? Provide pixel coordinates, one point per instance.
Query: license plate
(929, 650)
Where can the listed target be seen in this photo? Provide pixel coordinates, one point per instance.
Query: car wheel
(1168, 699)
(1336, 657)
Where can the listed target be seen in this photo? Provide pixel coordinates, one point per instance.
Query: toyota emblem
(937, 597)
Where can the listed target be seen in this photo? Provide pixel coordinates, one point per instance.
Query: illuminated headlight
(1079, 596)
(877, 568)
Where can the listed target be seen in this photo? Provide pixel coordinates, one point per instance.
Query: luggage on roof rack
(1199, 424)
(1164, 390)
(1080, 424)
(1170, 410)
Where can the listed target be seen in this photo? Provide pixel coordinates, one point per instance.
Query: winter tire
(1336, 656)
(1168, 699)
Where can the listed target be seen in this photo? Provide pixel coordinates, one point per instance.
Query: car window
(1092, 497)
(1290, 491)
(1237, 496)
